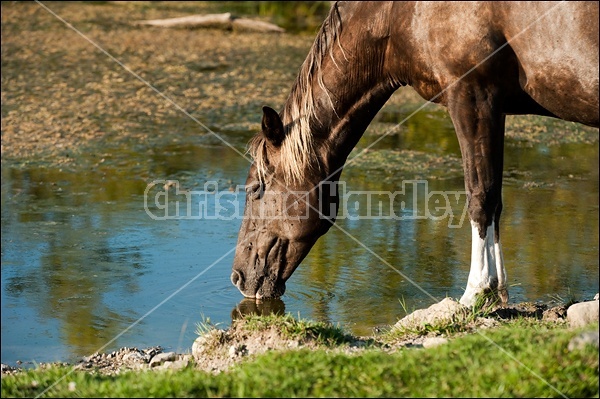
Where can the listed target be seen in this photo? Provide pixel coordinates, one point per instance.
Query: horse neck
(341, 98)
(340, 108)
(353, 120)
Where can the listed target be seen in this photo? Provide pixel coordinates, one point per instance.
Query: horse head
(283, 216)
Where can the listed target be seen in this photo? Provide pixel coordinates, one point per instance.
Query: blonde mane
(298, 150)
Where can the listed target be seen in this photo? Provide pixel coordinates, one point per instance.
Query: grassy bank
(519, 359)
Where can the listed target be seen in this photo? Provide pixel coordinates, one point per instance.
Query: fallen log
(218, 21)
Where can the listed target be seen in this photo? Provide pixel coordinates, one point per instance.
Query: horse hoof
(485, 298)
(503, 296)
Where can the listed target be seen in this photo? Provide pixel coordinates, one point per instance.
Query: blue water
(85, 268)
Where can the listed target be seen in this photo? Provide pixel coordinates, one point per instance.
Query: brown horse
(480, 60)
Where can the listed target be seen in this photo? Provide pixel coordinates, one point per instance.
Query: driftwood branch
(220, 21)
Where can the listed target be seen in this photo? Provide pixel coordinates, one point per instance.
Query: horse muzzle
(261, 267)
(261, 287)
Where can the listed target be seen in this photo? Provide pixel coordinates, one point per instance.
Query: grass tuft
(205, 326)
(292, 328)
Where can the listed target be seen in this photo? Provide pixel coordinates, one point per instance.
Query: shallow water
(86, 268)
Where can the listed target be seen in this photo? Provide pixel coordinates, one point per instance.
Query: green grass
(205, 325)
(291, 328)
(522, 359)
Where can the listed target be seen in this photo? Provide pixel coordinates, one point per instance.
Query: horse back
(536, 54)
(556, 46)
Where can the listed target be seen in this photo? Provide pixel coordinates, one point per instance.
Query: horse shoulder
(445, 41)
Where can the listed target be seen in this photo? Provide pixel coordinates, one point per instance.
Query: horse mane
(298, 150)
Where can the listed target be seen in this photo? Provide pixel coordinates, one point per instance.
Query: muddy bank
(63, 96)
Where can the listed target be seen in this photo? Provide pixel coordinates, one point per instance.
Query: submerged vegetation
(82, 99)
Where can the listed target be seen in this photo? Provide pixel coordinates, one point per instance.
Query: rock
(557, 313)
(584, 339)
(178, 364)
(207, 342)
(233, 351)
(162, 357)
(431, 342)
(439, 313)
(485, 323)
(134, 357)
(583, 313)
(187, 358)
(6, 368)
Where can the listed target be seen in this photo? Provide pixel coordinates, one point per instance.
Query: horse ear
(272, 126)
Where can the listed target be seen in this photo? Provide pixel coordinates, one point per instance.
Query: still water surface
(82, 261)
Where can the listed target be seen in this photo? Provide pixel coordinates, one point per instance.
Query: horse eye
(255, 190)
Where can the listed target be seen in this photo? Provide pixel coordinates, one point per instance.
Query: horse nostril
(236, 277)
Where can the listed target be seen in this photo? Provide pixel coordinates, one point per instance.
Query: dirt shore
(218, 349)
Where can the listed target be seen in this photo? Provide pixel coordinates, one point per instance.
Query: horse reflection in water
(482, 61)
(266, 307)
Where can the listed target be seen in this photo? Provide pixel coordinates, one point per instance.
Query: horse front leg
(480, 131)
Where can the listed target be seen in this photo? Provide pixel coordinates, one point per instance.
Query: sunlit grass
(205, 325)
(521, 359)
(292, 328)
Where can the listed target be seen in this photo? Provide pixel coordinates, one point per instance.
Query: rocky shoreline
(217, 350)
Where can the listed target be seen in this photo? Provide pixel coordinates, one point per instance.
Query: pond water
(85, 267)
